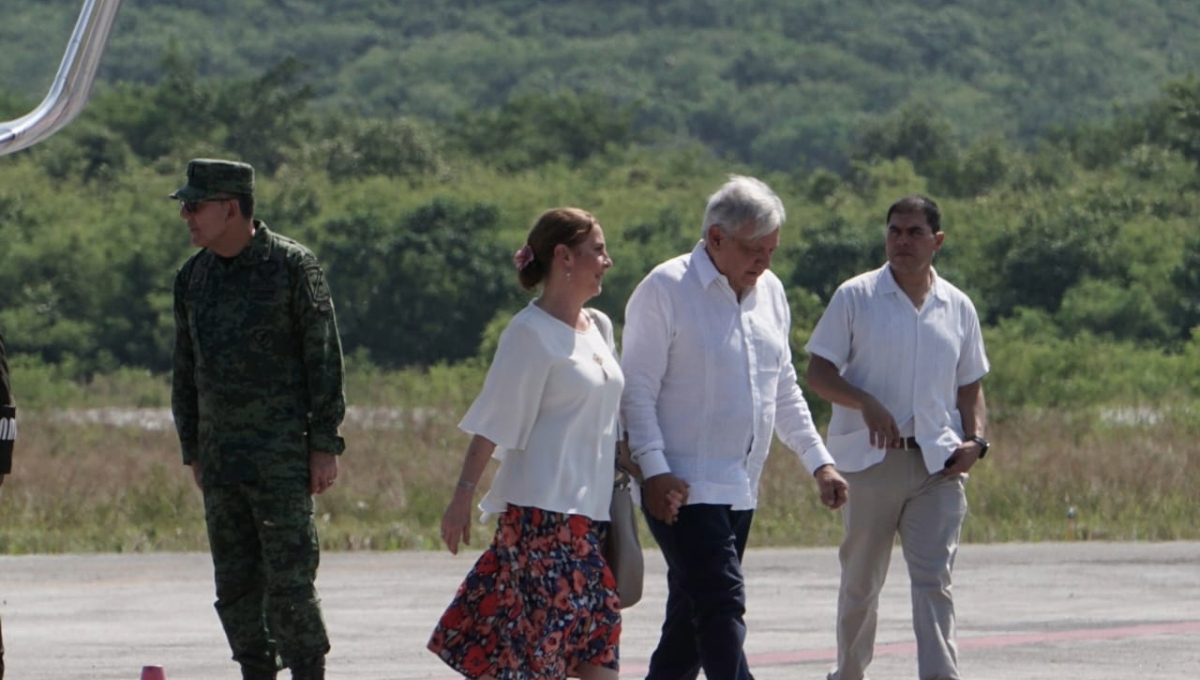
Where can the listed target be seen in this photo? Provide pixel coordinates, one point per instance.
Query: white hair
(741, 201)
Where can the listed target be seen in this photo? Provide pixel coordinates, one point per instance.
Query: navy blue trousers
(705, 622)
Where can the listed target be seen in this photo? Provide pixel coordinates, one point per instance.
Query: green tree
(1186, 280)
(263, 119)
(1184, 105)
(832, 253)
(1114, 310)
(350, 148)
(533, 130)
(1039, 261)
(916, 132)
(419, 289)
(156, 120)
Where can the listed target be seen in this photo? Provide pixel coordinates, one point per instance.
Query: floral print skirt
(538, 604)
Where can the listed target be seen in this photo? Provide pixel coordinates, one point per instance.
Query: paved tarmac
(1081, 611)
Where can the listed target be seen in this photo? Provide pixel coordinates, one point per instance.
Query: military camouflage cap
(208, 177)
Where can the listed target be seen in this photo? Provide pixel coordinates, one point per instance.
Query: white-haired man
(709, 376)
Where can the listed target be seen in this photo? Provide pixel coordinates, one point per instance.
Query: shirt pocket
(769, 349)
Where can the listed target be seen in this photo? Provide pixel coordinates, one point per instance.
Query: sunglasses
(192, 207)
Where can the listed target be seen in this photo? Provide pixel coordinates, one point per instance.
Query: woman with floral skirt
(540, 603)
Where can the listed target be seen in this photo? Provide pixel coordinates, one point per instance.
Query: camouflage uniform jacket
(258, 375)
(8, 416)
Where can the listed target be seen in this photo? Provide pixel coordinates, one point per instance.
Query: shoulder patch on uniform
(318, 290)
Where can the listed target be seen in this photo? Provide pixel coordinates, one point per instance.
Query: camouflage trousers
(265, 556)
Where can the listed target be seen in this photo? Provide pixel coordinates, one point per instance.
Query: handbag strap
(621, 479)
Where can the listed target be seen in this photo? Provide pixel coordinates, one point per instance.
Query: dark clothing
(264, 549)
(8, 414)
(258, 362)
(8, 436)
(257, 388)
(705, 623)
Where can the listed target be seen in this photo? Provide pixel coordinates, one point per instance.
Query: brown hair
(565, 226)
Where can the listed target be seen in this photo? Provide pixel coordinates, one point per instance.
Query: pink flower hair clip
(523, 257)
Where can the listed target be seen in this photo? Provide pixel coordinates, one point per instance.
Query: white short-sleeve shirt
(912, 360)
(549, 403)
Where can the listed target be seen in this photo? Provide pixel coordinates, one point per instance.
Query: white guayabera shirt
(709, 378)
(912, 360)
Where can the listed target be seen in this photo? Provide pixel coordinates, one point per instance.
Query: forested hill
(777, 83)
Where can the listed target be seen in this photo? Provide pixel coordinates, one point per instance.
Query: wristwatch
(983, 444)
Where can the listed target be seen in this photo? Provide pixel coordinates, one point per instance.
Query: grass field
(97, 470)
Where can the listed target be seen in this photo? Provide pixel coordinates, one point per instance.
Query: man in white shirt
(900, 355)
(709, 376)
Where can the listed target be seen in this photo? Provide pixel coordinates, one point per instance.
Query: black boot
(249, 673)
(313, 669)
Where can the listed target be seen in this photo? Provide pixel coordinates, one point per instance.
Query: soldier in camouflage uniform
(8, 435)
(258, 398)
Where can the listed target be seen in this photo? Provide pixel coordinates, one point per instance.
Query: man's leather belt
(908, 444)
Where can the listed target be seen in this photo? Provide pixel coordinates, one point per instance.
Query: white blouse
(550, 403)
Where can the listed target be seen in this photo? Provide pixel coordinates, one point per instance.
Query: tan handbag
(622, 547)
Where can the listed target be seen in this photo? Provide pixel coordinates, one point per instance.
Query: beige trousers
(900, 497)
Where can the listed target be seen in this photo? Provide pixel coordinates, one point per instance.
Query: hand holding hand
(675, 501)
(663, 495)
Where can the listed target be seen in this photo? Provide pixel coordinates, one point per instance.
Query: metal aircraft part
(69, 92)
